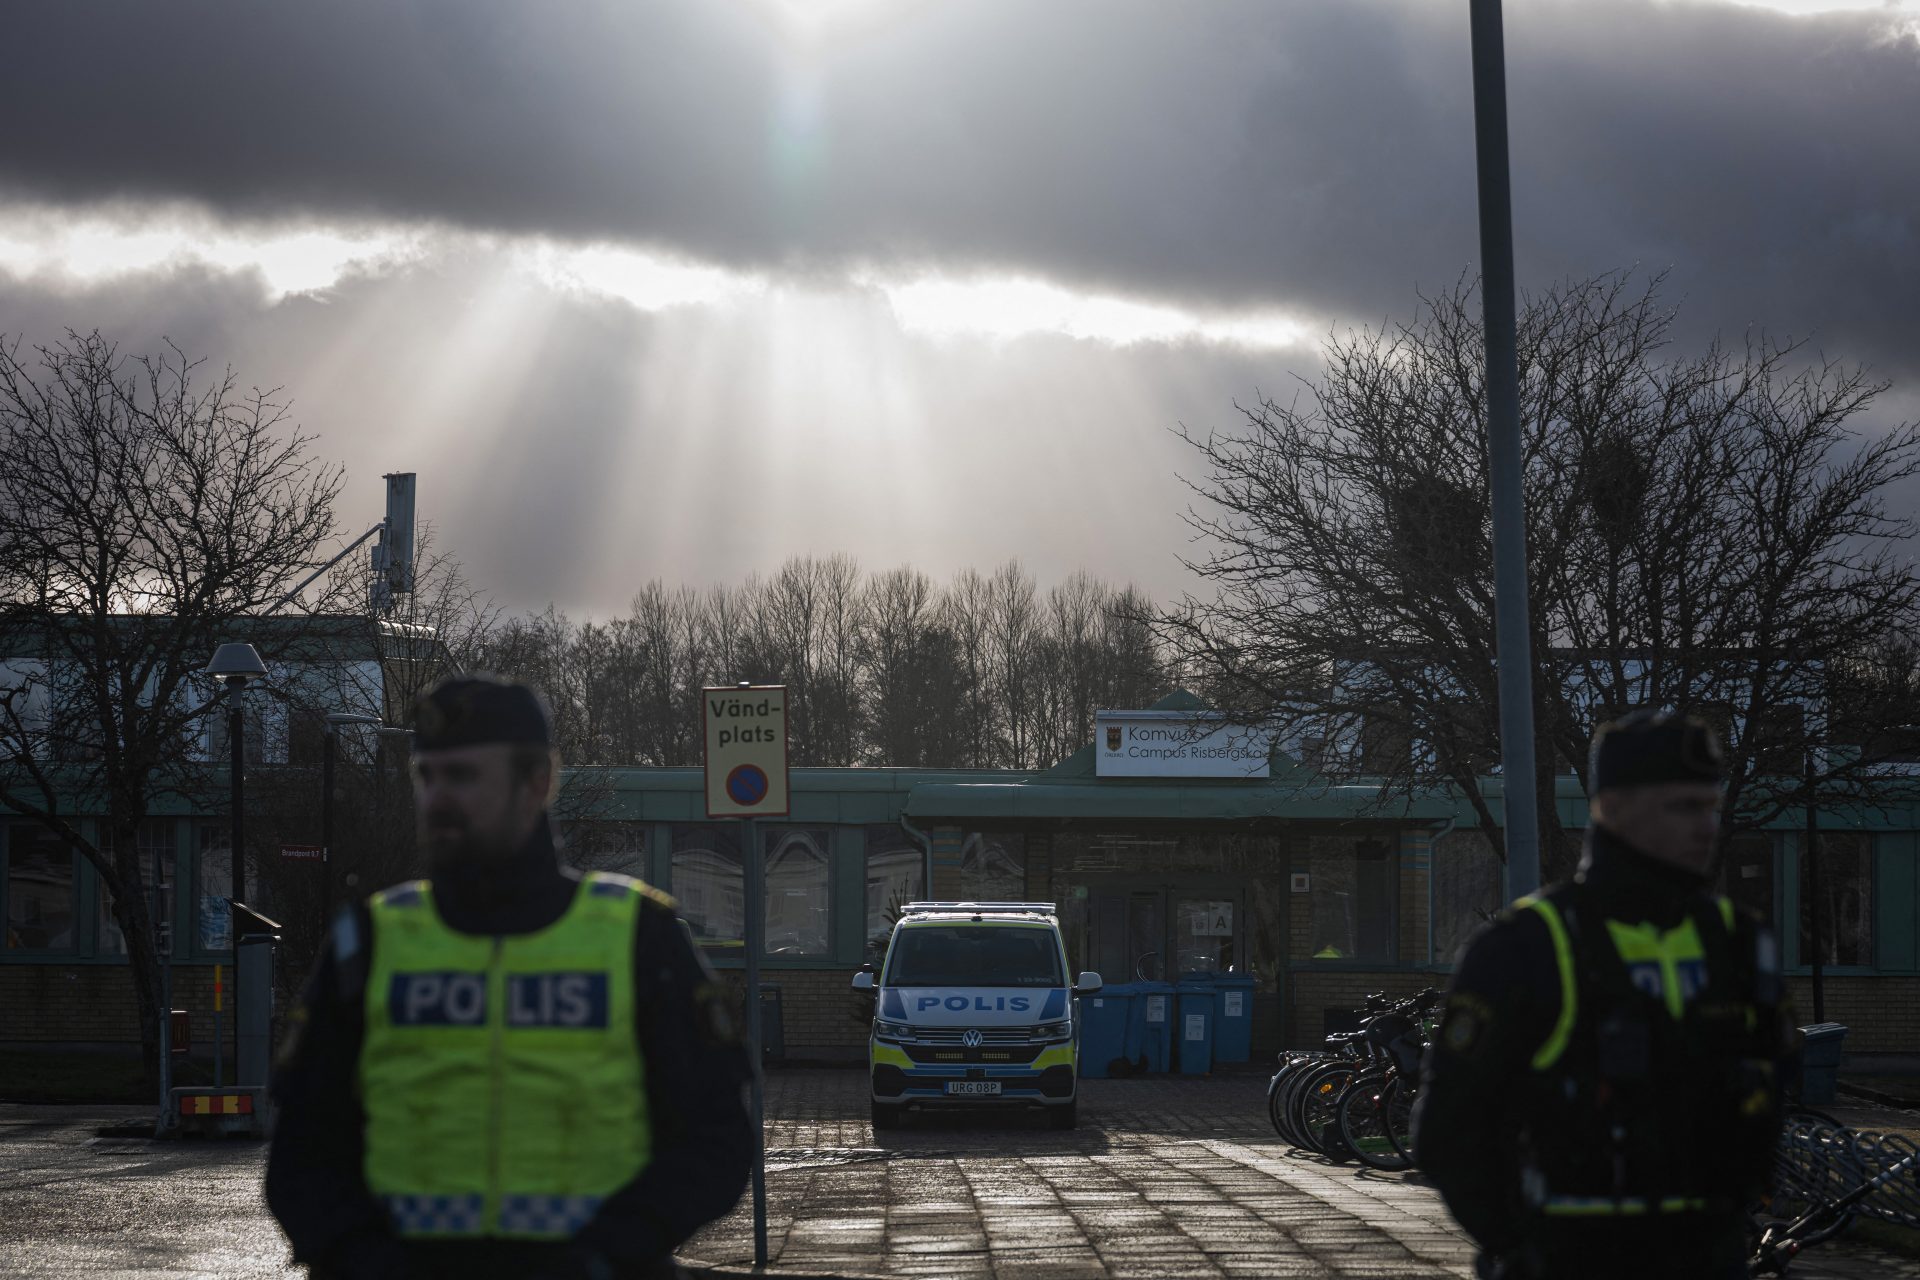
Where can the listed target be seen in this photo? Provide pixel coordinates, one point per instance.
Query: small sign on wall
(1302, 882)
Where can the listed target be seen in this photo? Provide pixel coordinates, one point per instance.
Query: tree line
(986, 670)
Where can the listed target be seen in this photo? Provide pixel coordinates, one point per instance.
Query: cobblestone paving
(1170, 1178)
(1166, 1178)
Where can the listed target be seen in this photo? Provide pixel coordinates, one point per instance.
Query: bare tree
(143, 510)
(841, 622)
(968, 618)
(1704, 533)
(1013, 626)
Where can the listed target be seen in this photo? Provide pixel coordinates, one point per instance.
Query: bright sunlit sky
(678, 289)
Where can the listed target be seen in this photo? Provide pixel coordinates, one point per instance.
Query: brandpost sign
(746, 751)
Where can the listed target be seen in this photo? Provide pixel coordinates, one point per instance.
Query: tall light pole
(235, 665)
(1513, 643)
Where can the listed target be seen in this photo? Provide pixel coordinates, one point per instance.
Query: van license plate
(973, 1086)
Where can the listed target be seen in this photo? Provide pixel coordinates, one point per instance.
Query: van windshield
(974, 955)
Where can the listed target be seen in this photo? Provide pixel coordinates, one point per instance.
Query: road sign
(306, 852)
(746, 751)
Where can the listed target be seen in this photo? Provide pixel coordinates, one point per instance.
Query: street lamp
(234, 665)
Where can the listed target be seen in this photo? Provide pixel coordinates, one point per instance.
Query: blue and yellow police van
(971, 1008)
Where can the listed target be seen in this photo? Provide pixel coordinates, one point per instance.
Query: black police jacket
(1483, 1103)
(702, 1139)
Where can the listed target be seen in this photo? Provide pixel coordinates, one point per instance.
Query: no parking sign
(746, 751)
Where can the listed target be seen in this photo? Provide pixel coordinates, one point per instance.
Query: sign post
(746, 775)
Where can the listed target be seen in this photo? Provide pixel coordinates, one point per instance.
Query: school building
(1318, 889)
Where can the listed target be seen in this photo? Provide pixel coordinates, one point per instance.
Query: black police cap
(1646, 747)
(468, 711)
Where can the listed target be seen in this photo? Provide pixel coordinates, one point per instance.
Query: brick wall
(1881, 1014)
(1317, 990)
(813, 1009)
(89, 1003)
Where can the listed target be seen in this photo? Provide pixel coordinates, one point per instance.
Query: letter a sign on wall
(746, 751)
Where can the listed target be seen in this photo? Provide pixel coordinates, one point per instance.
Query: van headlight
(892, 1030)
(1054, 1031)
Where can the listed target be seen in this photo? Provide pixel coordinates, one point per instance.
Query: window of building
(607, 846)
(896, 875)
(709, 882)
(1469, 886)
(993, 867)
(40, 914)
(799, 891)
(1844, 904)
(155, 837)
(1353, 889)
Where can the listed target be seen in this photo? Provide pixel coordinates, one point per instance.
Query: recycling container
(1233, 1018)
(1820, 1062)
(1103, 1029)
(1193, 1025)
(1150, 1026)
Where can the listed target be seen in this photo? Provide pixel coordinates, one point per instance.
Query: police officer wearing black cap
(509, 1068)
(1602, 1098)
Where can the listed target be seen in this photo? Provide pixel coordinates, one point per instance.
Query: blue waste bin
(1104, 1029)
(1820, 1061)
(1194, 1026)
(1150, 1026)
(1233, 1018)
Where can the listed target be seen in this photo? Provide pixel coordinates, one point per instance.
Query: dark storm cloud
(1318, 154)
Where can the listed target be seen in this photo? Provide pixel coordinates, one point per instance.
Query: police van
(971, 1007)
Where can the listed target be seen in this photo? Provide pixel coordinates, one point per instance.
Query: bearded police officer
(1602, 1097)
(510, 1068)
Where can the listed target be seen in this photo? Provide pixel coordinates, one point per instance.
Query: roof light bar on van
(972, 908)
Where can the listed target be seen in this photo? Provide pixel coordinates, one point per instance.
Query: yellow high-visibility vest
(501, 1077)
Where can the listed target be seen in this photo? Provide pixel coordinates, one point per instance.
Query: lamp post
(1816, 939)
(234, 665)
(1505, 465)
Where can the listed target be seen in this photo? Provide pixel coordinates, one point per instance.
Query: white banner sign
(746, 751)
(1177, 744)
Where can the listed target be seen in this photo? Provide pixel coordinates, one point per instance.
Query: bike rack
(1818, 1162)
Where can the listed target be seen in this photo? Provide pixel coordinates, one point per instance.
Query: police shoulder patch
(1465, 1024)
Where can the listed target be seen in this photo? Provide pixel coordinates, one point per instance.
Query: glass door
(1205, 931)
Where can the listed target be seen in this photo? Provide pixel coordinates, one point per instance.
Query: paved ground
(1164, 1178)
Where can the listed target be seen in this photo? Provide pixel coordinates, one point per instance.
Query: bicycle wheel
(1362, 1115)
(1318, 1115)
(1296, 1092)
(1400, 1098)
(1280, 1100)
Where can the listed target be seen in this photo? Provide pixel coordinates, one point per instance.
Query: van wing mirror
(861, 998)
(1087, 984)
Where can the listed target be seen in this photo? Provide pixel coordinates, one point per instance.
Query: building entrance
(1144, 930)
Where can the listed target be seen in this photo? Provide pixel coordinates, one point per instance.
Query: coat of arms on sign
(1113, 737)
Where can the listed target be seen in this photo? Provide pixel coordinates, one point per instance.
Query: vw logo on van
(972, 1039)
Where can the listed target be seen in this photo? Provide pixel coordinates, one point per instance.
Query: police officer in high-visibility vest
(508, 1068)
(1602, 1095)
